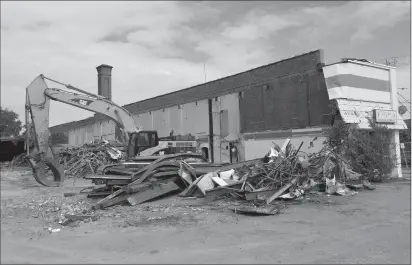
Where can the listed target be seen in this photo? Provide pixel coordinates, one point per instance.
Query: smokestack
(104, 80)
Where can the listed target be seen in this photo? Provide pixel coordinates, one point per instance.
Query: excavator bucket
(42, 161)
(41, 171)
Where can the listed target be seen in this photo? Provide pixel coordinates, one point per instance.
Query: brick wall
(230, 84)
(294, 97)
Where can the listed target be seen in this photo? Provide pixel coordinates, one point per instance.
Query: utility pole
(204, 70)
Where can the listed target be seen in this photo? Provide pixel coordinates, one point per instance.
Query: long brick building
(234, 118)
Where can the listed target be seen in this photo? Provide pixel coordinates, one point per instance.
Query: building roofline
(229, 76)
(361, 62)
(97, 118)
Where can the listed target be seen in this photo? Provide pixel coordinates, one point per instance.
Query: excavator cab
(141, 141)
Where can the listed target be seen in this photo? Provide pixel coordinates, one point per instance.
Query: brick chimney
(104, 80)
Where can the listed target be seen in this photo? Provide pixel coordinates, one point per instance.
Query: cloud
(355, 20)
(258, 25)
(120, 35)
(158, 47)
(377, 16)
(39, 25)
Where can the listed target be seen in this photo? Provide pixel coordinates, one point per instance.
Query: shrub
(367, 152)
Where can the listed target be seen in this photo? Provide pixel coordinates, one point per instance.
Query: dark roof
(226, 84)
(222, 86)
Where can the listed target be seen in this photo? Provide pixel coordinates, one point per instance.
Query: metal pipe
(27, 125)
(211, 134)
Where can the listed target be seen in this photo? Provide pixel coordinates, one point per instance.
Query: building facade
(235, 118)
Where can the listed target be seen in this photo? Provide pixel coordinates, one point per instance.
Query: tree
(10, 125)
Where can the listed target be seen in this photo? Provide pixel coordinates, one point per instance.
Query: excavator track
(40, 172)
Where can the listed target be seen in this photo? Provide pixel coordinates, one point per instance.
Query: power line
(404, 98)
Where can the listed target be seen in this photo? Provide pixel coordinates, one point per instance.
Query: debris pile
(144, 179)
(282, 174)
(78, 161)
(19, 161)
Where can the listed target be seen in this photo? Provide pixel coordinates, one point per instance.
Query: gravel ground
(370, 227)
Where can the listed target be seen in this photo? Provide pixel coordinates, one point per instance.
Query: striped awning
(357, 112)
(356, 80)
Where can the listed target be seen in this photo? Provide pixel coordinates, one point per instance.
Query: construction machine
(137, 142)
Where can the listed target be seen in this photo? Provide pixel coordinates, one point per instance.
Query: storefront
(361, 89)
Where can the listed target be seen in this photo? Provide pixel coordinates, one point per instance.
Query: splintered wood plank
(120, 171)
(137, 187)
(152, 193)
(189, 190)
(148, 172)
(170, 168)
(204, 169)
(219, 181)
(216, 192)
(122, 182)
(106, 199)
(98, 194)
(119, 199)
(206, 183)
(165, 174)
(190, 169)
(97, 176)
(281, 190)
(259, 195)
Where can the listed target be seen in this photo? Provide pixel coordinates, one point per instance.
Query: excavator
(137, 142)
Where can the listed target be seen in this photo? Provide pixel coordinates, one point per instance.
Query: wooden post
(404, 155)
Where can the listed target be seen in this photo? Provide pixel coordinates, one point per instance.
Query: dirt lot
(370, 227)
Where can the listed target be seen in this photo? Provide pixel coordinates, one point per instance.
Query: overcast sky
(158, 47)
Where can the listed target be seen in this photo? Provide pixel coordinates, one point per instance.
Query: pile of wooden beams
(78, 161)
(141, 180)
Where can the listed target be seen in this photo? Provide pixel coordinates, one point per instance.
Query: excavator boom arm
(105, 107)
(38, 97)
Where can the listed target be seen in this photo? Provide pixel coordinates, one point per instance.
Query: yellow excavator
(137, 142)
